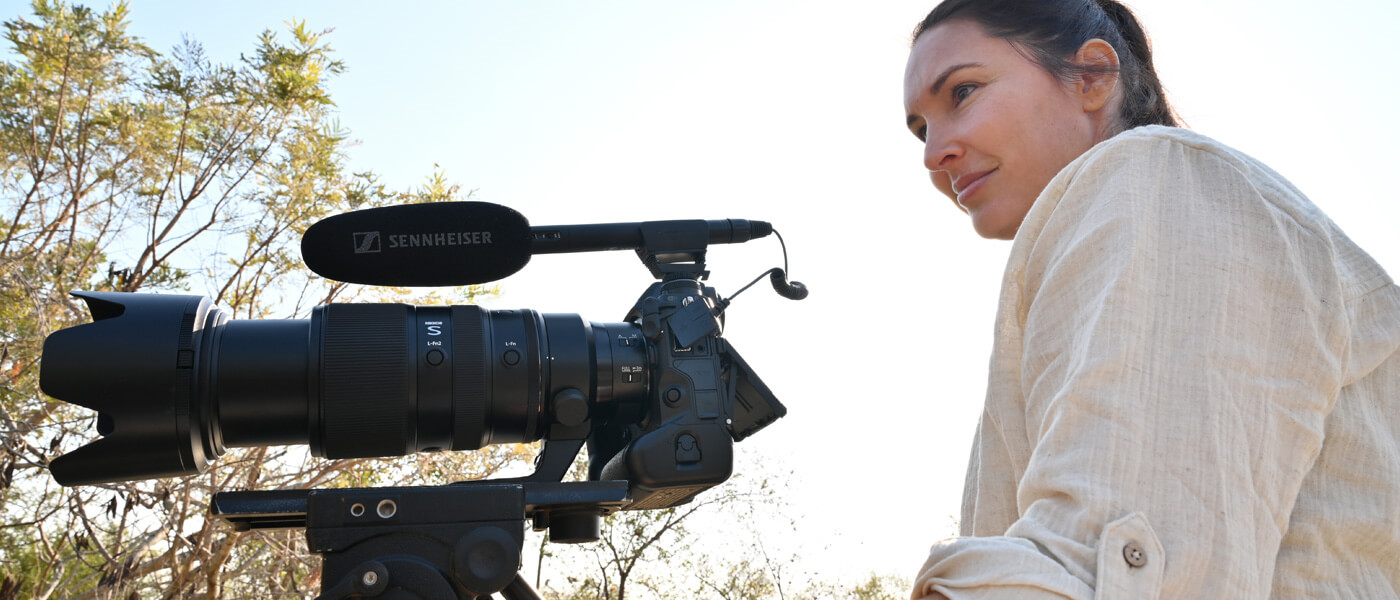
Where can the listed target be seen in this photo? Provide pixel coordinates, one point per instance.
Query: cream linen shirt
(1194, 393)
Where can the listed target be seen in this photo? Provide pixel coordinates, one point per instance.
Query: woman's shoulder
(1152, 142)
(1150, 180)
(1153, 177)
(1159, 162)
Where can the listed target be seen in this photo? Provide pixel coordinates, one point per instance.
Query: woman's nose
(940, 152)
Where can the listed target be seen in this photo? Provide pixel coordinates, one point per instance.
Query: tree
(875, 587)
(123, 169)
(706, 549)
(671, 552)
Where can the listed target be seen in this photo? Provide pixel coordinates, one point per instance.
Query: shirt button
(1134, 554)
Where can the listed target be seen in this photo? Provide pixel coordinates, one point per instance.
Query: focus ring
(367, 383)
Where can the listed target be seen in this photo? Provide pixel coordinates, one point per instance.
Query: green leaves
(293, 74)
(122, 168)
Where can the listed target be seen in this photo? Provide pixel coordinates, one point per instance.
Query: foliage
(876, 587)
(710, 548)
(125, 169)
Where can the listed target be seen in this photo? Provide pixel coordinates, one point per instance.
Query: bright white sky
(790, 111)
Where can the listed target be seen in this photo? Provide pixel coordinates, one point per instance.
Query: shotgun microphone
(465, 243)
(432, 244)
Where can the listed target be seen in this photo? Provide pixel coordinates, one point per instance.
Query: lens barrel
(176, 381)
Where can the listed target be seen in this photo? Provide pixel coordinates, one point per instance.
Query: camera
(658, 398)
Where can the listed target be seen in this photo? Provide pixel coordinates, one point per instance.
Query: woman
(1195, 383)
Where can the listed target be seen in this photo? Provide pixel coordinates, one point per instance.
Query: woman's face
(996, 126)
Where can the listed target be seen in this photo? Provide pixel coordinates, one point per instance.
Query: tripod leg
(518, 589)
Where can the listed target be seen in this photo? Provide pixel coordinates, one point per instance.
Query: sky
(791, 112)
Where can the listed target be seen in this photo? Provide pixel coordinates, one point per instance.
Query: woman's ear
(1098, 77)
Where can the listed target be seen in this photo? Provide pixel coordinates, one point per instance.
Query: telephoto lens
(176, 382)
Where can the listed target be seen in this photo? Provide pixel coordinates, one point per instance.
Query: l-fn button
(434, 357)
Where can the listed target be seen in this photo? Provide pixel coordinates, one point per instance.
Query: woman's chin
(993, 226)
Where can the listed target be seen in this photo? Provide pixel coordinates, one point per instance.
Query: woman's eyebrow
(942, 79)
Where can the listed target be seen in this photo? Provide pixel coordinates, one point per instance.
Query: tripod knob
(575, 527)
(486, 560)
(408, 578)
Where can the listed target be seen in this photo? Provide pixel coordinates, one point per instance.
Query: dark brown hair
(1052, 31)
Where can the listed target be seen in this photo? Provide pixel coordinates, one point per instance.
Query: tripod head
(461, 541)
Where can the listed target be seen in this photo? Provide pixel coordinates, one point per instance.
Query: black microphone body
(465, 243)
(433, 244)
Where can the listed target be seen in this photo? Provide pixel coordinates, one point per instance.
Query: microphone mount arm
(669, 249)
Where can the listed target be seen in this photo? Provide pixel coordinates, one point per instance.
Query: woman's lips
(968, 184)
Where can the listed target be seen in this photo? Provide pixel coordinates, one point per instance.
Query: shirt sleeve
(1180, 344)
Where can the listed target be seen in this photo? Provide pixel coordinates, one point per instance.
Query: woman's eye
(961, 92)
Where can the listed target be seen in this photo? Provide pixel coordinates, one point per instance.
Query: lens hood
(148, 415)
